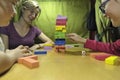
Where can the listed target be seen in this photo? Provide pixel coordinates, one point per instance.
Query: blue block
(40, 52)
(63, 39)
(59, 42)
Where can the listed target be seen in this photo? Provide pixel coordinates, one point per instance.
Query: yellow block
(48, 44)
(61, 26)
(64, 30)
(58, 28)
(113, 60)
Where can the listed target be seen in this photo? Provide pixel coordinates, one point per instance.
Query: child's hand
(76, 38)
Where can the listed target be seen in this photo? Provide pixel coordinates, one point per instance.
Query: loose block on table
(113, 60)
(30, 61)
(100, 56)
(40, 52)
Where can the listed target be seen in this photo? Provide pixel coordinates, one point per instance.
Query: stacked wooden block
(30, 61)
(48, 47)
(60, 32)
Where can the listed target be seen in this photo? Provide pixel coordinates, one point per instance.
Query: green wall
(75, 10)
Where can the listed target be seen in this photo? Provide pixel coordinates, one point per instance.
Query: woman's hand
(34, 47)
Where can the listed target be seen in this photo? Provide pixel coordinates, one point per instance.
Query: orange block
(35, 57)
(29, 61)
(20, 60)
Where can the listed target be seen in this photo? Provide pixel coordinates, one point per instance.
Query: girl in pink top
(111, 10)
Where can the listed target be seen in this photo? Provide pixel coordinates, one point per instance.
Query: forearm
(112, 48)
(96, 46)
(41, 45)
(8, 58)
(47, 42)
(6, 62)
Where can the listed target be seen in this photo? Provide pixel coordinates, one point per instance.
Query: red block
(60, 22)
(100, 56)
(60, 47)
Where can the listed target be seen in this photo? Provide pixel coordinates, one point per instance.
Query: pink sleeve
(113, 48)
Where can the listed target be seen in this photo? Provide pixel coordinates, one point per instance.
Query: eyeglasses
(102, 6)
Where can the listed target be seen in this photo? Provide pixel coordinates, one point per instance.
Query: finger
(21, 46)
(30, 52)
(27, 54)
(27, 47)
(31, 49)
(7, 50)
(24, 50)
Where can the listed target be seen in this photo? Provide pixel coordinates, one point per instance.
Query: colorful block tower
(60, 32)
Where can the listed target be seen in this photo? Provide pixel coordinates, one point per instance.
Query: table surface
(54, 66)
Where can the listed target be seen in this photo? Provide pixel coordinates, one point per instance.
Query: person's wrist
(39, 46)
(83, 41)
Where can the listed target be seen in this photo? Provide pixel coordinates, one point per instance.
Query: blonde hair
(30, 4)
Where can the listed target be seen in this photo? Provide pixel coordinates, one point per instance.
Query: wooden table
(54, 66)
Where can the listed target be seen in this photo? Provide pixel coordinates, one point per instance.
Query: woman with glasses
(9, 57)
(23, 32)
(111, 9)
